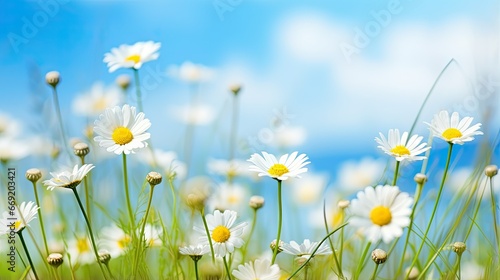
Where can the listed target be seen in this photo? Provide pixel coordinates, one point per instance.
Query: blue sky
(287, 54)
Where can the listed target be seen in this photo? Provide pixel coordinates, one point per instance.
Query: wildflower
(9, 127)
(23, 215)
(152, 235)
(123, 81)
(491, 170)
(354, 175)
(459, 247)
(80, 250)
(196, 191)
(228, 168)
(190, 72)
(33, 174)
(132, 56)
(195, 251)
(235, 89)
(379, 256)
(402, 148)
(280, 246)
(381, 212)
(289, 136)
(12, 149)
(68, 179)
(258, 269)
(306, 248)
(229, 197)
(194, 114)
(225, 235)
(420, 178)
(256, 202)
(81, 149)
(104, 256)
(96, 100)
(309, 189)
(115, 240)
(288, 166)
(55, 259)
(453, 130)
(153, 178)
(52, 78)
(121, 130)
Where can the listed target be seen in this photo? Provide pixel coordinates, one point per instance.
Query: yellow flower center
(82, 245)
(381, 215)
(124, 241)
(278, 169)
(221, 234)
(400, 150)
(452, 133)
(134, 58)
(17, 225)
(100, 104)
(122, 135)
(337, 218)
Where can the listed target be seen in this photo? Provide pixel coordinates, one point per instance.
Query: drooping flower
(132, 56)
(115, 240)
(19, 218)
(225, 235)
(453, 130)
(288, 166)
(68, 179)
(258, 269)
(306, 248)
(121, 130)
(381, 212)
(402, 148)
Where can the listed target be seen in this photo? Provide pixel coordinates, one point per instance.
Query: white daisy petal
(288, 166)
(402, 148)
(454, 130)
(126, 56)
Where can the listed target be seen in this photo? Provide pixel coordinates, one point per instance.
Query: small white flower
(195, 250)
(453, 130)
(126, 56)
(309, 189)
(229, 197)
(258, 269)
(306, 248)
(80, 251)
(402, 148)
(13, 149)
(9, 127)
(152, 235)
(355, 175)
(68, 179)
(225, 235)
(19, 218)
(190, 72)
(121, 130)
(289, 136)
(381, 212)
(96, 100)
(228, 168)
(288, 166)
(115, 240)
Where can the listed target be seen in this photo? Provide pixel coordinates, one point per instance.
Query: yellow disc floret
(124, 241)
(122, 135)
(381, 215)
(451, 133)
(82, 245)
(134, 58)
(400, 150)
(278, 169)
(221, 234)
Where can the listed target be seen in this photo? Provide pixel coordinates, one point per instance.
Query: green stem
(27, 253)
(362, 260)
(374, 272)
(341, 241)
(434, 210)
(141, 235)
(280, 216)
(87, 193)
(138, 90)
(339, 268)
(396, 173)
(227, 268)
(459, 270)
(41, 220)
(61, 126)
(174, 208)
(410, 227)
(494, 210)
(127, 194)
(90, 231)
(254, 221)
(208, 234)
(316, 249)
(196, 269)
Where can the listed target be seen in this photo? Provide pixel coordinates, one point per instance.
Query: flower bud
(81, 149)
(420, 178)
(379, 256)
(52, 78)
(153, 178)
(33, 174)
(491, 170)
(256, 202)
(123, 81)
(55, 259)
(459, 248)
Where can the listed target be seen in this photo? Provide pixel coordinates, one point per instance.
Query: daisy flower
(229, 197)
(228, 168)
(288, 166)
(258, 269)
(121, 130)
(115, 240)
(80, 251)
(152, 235)
(306, 248)
(126, 56)
(23, 214)
(191, 72)
(453, 130)
(355, 175)
(96, 100)
(197, 250)
(68, 179)
(225, 235)
(381, 212)
(402, 148)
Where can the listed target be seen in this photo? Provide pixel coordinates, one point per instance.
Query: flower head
(121, 130)
(126, 56)
(402, 148)
(381, 212)
(152, 235)
(96, 100)
(80, 251)
(115, 240)
(288, 166)
(258, 269)
(453, 130)
(23, 214)
(306, 248)
(68, 179)
(195, 251)
(225, 235)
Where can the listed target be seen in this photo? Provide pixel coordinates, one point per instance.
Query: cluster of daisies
(379, 213)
